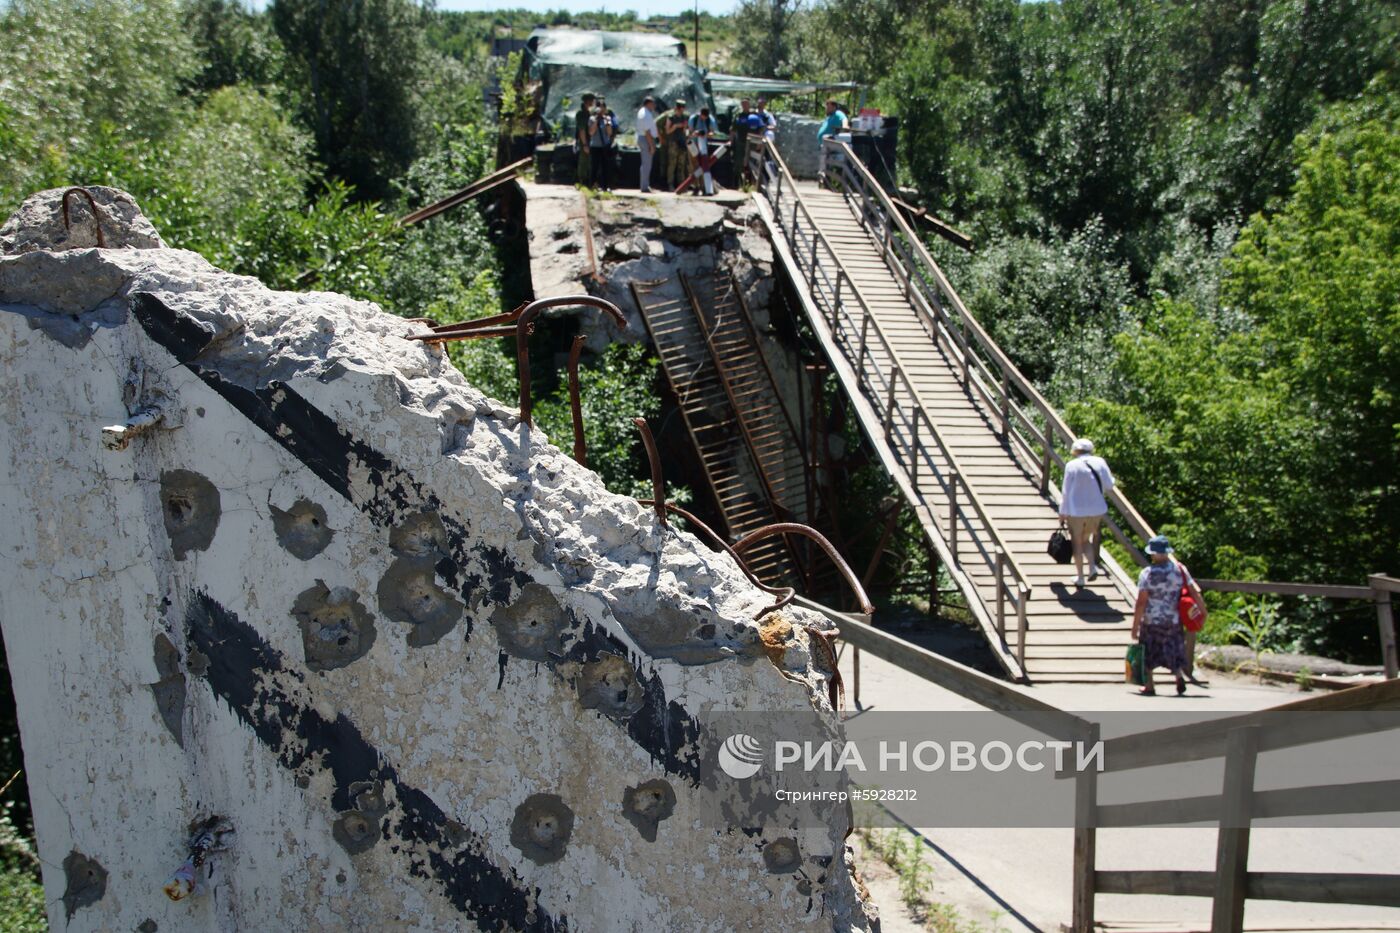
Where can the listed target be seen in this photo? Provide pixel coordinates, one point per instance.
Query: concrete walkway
(1019, 879)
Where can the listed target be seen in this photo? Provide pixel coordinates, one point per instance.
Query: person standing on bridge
(583, 173)
(702, 131)
(677, 160)
(647, 139)
(832, 127)
(1084, 503)
(1157, 618)
(600, 137)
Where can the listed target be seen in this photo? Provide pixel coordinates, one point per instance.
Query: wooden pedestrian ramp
(972, 445)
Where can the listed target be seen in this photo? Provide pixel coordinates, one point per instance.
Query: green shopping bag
(1132, 666)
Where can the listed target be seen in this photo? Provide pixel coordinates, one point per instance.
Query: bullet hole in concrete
(147, 926)
(408, 593)
(781, 856)
(358, 830)
(541, 828)
(199, 411)
(532, 626)
(336, 629)
(190, 505)
(355, 832)
(675, 632)
(87, 882)
(340, 877)
(302, 530)
(419, 535)
(610, 686)
(647, 804)
(169, 691)
(303, 781)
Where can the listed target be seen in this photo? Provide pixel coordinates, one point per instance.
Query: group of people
(676, 144)
(1157, 623)
(595, 132)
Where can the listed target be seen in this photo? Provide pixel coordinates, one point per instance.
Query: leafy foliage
(360, 69)
(618, 387)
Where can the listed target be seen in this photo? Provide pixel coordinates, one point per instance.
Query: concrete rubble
(335, 642)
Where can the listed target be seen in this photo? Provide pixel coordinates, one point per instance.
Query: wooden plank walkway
(1074, 634)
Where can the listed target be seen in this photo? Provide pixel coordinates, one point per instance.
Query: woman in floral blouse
(1156, 619)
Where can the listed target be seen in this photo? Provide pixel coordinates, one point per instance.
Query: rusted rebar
(495, 325)
(768, 531)
(836, 686)
(575, 406)
(786, 592)
(658, 482)
(96, 214)
(526, 321)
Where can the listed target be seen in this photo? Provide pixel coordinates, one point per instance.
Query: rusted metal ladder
(747, 444)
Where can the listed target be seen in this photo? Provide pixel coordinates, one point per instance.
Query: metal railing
(986, 371)
(910, 434)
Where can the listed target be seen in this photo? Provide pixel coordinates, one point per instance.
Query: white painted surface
(90, 581)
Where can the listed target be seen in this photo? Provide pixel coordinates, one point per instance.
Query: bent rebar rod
(768, 531)
(658, 482)
(526, 322)
(575, 406)
(96, 214)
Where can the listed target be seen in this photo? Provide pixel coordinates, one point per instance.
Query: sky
(642, 8)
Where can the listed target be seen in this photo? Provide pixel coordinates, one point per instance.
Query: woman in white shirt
(1084, 503)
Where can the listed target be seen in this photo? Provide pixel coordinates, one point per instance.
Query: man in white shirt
(1084, 503)
(647, 139)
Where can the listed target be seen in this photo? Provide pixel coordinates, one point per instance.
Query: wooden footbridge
(970, 442)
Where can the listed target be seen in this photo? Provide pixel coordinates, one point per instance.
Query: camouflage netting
(624, 67)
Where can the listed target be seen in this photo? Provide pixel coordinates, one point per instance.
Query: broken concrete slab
(474, 779)
(38, 224)
(561, 240)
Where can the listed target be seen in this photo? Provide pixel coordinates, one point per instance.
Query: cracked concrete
(384, 791)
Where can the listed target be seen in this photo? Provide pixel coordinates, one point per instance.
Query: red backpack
(1193, 614)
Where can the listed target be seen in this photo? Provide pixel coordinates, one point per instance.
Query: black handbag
(1060, 549)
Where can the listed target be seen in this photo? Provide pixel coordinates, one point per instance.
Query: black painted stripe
(662, 728)
(248, 674)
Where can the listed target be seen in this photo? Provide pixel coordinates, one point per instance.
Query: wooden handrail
(980, 336)
(1021, 590)
(1288, 589)
(982, 689)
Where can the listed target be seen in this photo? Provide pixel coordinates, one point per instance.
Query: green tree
(71, 71)
(360, 70)
(765, 33)
(617, 387)
(236, 45)
(1321, 278)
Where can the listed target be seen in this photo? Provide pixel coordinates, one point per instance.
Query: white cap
(1082, 445)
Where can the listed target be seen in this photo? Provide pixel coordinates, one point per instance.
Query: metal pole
(953, 515)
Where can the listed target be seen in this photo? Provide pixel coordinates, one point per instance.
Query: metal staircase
(747, 444)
